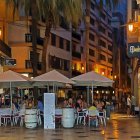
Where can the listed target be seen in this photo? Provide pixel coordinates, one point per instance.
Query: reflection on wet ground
(119, 127)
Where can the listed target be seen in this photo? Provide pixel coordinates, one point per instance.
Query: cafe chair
(6, 116)
(81, 117)
(58, 115)
(39, 117)
(22, 116)
(102, 117)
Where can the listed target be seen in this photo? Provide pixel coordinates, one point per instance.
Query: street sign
(134, 49)
(10, 62)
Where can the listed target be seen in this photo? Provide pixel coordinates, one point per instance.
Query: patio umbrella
(12, 79)
(92, 79)
(53, 78)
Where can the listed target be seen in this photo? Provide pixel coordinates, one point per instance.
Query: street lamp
(138, 1)
(130, 27)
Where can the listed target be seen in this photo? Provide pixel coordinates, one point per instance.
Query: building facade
(132, 37)
(99, 43)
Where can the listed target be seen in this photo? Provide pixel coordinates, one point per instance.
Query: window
(102, 15)
(68, 45)
(101, 29)
(102, 43)
(66, 65)
(28, 37)
(91, 37)
(92, 22)
(61, 43)
(53, 39)
(110, 48)
(109, 21)
(102, 57)
(74, 48)
(82, 49)
(110, 60)
(109, 34)
(32, 57)
(28, 64)
(92, 6)
(91, 52)
(76, 35)
(59, 63)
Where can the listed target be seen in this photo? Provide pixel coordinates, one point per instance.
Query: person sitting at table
(92, 107)
(78, 105)
(15, 105)
(70, 103)
(40, 105)
(65, 103)
(30, 103)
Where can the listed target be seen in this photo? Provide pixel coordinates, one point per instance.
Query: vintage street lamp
(130, 27)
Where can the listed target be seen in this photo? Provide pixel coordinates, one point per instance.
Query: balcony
(5, 48)
(76, 54)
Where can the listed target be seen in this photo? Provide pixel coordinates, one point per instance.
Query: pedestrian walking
(128, 105)
(133, 104)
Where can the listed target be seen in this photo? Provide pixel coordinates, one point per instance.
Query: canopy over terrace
(52, 78)
(92, 79)
(11, 79)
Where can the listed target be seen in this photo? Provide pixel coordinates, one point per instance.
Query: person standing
(128, 105)
(133, 104)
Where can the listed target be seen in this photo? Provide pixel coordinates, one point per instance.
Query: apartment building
(100, 43)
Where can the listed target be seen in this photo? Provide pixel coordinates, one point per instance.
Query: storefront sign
(134, 49)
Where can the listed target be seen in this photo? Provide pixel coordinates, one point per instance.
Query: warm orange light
(130, 27)
(103, 73)
(82, 68)
(0, 32)
(115, 76)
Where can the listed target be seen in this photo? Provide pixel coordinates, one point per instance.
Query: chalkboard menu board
(49, 110)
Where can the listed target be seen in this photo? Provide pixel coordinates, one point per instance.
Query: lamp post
(115, 85)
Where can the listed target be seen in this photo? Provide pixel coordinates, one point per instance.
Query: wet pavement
(119, 127)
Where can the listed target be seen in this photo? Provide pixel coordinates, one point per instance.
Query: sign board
(134, 49)
(10, 62)
(49, 110)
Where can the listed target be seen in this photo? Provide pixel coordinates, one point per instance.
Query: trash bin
(68, 118)
(31, 118)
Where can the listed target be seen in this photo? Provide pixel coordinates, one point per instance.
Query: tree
(50, 11)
